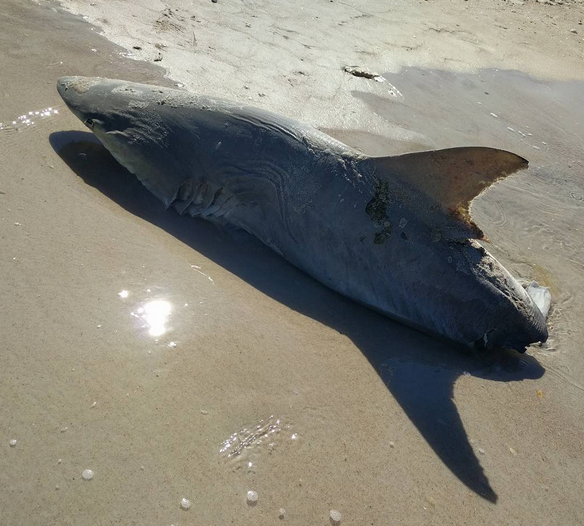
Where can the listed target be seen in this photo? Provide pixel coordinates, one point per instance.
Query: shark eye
(89, 123)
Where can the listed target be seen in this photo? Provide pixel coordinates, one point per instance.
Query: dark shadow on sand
(419, 371)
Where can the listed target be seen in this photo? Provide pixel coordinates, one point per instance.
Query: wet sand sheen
(384, 420)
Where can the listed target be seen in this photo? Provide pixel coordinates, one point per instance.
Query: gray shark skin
(393, 233)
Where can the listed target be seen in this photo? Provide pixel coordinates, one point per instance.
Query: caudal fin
(445, 182)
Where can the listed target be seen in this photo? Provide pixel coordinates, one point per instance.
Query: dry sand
(359, 414)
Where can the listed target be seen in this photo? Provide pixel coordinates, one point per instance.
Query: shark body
(393, 233)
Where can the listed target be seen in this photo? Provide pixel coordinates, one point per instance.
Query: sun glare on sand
(154, 314)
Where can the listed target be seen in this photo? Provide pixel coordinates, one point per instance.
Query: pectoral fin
(442, 184)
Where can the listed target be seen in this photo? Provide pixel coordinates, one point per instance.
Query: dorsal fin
(448, 180)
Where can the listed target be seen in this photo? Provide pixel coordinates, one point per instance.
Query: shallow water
(176, 361)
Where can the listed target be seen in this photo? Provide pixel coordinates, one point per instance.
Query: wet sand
(223, 369)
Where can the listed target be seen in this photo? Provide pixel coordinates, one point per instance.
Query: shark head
(131, 127)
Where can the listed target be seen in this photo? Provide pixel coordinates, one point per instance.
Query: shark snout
(70, 88)
(74, 92)
(78, 85)
(63, 85)
(67, 88)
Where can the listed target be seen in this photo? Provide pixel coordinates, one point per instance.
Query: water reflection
(154, 316)
(27, 119)
(251, 438)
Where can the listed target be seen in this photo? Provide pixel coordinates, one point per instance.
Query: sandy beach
(178, 361)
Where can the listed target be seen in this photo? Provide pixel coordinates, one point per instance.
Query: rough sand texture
(360, 414)
(288, 56)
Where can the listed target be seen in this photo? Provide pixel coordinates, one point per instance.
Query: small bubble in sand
(335, 516)
(87, 474)
(392, 445)
(13, 442)
(59, 461)
(185, 504)
(281, 513)
(94, 404)
(494, 115)
(64, 430)
(172, 345)
(294, 436)
(123, 294)
(252, 497)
